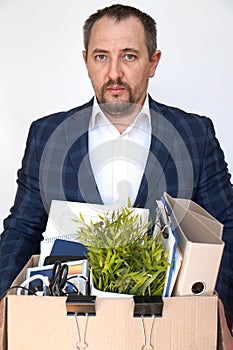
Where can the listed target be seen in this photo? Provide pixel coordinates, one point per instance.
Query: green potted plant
(123, 258)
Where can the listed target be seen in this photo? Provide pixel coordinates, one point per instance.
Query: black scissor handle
(58, 278)
(62, 278)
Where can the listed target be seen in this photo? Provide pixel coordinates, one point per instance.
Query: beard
(117, 107)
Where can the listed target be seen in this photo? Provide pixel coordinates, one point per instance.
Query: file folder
(70, 248)
(199, 238)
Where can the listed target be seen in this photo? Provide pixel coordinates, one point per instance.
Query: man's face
(118, 64)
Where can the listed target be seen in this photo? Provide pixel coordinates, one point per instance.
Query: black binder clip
(81, 304)
(148, 306)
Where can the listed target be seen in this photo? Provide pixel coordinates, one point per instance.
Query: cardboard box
(33, 322)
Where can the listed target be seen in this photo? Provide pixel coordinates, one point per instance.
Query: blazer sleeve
(24, 226)
(214, 190)
(215, 194)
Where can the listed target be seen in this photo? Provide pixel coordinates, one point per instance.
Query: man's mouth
(116, 90)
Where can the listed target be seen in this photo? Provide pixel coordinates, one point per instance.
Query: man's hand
(225, 336)
(1, 312)
(1, 318)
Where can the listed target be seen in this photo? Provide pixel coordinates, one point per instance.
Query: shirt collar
(99, 118)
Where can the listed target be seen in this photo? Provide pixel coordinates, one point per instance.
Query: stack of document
(170, 242)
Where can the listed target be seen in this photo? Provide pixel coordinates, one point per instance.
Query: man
(122, 144)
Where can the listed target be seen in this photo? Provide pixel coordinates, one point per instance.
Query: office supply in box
(170, 243)
(51, 259)
(63, 221)
(74, 268)
(45, 323)
(199, 238)
(62, 247)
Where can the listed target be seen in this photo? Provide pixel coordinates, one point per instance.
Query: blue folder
(62, 247)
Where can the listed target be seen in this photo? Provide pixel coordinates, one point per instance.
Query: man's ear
(154, 62)
(84, 56)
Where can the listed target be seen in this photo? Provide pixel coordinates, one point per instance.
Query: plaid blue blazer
(184, 160)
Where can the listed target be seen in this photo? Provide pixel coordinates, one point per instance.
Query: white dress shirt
(118, 160)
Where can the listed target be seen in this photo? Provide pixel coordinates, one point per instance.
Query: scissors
(58, 279)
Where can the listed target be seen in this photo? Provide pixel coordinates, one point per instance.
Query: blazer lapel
(154, 179)
(77, 139)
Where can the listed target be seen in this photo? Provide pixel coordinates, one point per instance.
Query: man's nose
(115, 70)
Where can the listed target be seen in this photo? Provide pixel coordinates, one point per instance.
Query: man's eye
(100, 57)
(129, 57)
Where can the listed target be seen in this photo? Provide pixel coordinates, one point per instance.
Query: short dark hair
(120, 12)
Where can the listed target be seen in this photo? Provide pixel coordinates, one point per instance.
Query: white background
(41, 68)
